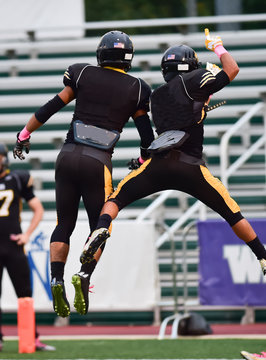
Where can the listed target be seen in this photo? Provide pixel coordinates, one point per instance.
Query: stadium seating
(31, 73)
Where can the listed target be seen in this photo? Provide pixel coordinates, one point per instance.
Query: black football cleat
(81, 282)
(60, 303)
(97, 238)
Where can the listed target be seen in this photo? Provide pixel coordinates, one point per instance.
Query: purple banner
(230, 273)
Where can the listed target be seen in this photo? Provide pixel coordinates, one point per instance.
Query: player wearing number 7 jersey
(14, 186)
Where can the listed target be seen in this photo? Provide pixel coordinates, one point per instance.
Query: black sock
(258, 249)
(88, 268)
(57, 270)
(104, 221)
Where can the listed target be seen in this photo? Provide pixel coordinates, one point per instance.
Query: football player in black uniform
(14, 186)
(106, 97)
(179, 107)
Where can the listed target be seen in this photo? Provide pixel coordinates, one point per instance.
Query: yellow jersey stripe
(66, 75)
(212, 78)
(207, 75)
(116, 69)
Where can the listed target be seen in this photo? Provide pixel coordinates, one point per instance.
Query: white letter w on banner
(243, 264)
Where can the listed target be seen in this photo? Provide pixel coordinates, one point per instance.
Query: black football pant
(79, 175)
(14, 259)
(170, 171)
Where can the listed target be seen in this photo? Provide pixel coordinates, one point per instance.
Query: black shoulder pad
(198, 80)
(72, 73)
(207, 78)
(22, 177)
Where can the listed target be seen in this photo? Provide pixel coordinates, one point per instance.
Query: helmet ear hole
(178, 59)
(115, 49)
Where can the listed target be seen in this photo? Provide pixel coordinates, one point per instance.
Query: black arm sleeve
(145, 92)
(145, 131)
(49, 109)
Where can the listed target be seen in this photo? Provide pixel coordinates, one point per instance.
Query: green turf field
(140, 349)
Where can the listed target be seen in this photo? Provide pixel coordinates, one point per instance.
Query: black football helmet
(115, 49)
(178, 59)
(4, 163)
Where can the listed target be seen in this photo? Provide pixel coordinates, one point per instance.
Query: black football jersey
(179, 105)
(105, 97)
(13, 188)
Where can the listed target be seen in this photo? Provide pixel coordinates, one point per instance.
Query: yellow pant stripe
(131, 175)
(108, 188)
(108, 185)
(220, 188)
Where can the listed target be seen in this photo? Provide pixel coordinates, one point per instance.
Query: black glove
(20, 145)
(134, 164)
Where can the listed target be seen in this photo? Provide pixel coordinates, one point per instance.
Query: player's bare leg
(244, 231)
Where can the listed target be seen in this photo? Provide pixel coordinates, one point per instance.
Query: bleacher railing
(144, 23)
(226, 169)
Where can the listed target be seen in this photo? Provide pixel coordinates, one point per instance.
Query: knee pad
(234, 218)
(58, 236)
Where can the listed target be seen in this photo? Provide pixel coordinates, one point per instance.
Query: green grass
(140, 349)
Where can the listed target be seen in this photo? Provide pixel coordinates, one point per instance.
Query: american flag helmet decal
(119, 45)
(171, 57)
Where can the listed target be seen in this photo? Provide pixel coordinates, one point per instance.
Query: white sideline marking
(144, 337)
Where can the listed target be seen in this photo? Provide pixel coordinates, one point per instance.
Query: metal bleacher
(31, 73)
